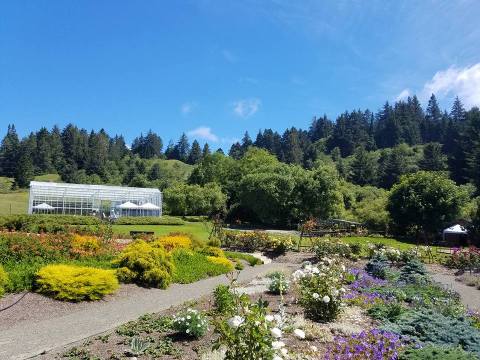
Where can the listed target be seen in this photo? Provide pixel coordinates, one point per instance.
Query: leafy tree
(183, 199)
(425, 202)
(394, 163)
(155, 172)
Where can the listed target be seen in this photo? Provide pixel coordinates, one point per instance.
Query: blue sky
(214, 69)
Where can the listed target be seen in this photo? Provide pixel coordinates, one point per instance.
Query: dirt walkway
(38, 324)
(470, 296)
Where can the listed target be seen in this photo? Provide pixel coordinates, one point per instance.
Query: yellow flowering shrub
(75, 283)
(84, 245)
(146, 264)
(213, 251)
(221, 261)
(171, 242)
(3, 280)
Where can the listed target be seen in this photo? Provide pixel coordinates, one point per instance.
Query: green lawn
(198, 229)
(14, 203)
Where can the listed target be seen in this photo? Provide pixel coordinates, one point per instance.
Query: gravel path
(470, 296)
(37, 324)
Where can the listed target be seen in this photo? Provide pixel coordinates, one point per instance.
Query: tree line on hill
(344, 168)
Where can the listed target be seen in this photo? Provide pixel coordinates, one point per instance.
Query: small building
(97, 200)
(455, 235)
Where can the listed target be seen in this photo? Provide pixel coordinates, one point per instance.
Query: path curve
(469, 295)
(28, 338)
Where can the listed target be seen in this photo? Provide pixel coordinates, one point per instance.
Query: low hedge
(257, 241)
(149, 220)
(75, 283)
(45, 223)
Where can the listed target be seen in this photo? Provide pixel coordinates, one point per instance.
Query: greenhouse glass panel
(96, 200)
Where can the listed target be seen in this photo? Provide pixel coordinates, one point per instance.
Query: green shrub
(428, 326)
(191, 266)
(212, 251)
(279, 283)
(3, 280)
(378, 266)
(435, 352)
(75, 283)
(223, 300)
(252, 260)
(191, 323)
(45, 223)
(356, 248)
(386, 311)
(327, 247)
(144, 264)
(414, 272)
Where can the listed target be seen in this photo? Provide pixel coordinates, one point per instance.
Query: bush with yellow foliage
(75, 283)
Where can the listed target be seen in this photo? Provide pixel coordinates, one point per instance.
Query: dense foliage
(145, 264)
(75, 283)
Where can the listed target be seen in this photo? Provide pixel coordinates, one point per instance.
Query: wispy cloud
(403, 94)
(187, 107)
(245, 108)
(229, 56)
(204, 133)
(461, 82)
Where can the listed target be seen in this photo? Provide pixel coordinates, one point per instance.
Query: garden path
(30, 337)
(469, 295)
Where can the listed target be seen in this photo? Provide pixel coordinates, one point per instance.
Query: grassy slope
(18, 200)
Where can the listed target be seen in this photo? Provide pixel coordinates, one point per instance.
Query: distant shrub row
(146, 220)
(45, 223)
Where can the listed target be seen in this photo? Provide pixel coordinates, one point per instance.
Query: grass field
(14, 203)
(198, 229)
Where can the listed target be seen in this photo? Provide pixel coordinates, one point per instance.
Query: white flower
(257, 323)
(315, 296)
(278, 318)
(269, 318)
(326, 299)
(276, 357)
(343, 268)
(187, 331)
(299, 333)
(313, 348)
(235, 321)
(284, 351)
(276, 332)
(277, 345)
(335, 293)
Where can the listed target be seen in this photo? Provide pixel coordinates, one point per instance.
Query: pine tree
(457, 114)
(182, 149)
(24, 171)
(170, 150)
(292, 152)
(56, 148)
(195, 155)
(236, 151)
(206, 150)
(9, 152)
(246, 142)
(363, 169)
(431, 129)
(433, 158)
(320, 128)
(472, 149)
(155, 172)
(43, 153)
(220, 151)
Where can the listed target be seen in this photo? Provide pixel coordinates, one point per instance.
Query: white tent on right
(455, 231)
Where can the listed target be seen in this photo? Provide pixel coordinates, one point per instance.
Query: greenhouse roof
(104, 192)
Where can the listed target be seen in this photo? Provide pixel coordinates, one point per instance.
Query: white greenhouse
(96, 200)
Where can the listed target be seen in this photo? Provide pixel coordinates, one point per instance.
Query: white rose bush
(191, 323)
(320, 289)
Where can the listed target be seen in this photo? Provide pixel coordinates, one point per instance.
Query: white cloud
(403, 95)
(187, 107)
(204, 133)
(461, 82)
(229, 56)
(246, 107)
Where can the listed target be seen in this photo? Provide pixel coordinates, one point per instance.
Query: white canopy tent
(456, 230)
